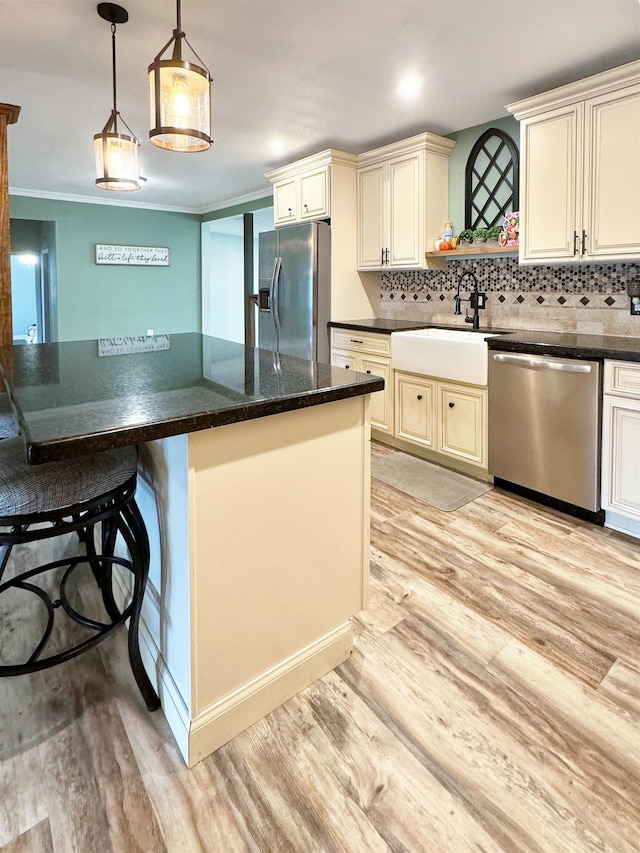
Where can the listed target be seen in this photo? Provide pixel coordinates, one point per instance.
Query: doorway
(33, 282)
(230, 273)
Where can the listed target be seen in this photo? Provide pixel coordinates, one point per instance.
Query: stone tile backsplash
(588, 298)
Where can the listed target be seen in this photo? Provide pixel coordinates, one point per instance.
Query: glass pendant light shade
(180, 95)
(117, 161)
(116, 154)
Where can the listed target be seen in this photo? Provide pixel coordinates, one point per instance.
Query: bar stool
(39, 502)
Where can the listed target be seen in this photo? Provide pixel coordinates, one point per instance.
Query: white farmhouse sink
(444, 353)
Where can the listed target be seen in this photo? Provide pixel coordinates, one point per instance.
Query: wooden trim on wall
(8, 115)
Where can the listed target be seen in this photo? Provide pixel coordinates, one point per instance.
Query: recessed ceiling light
(409, 87)
(277, 146)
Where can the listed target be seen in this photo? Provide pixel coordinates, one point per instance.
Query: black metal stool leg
(102, 570)
(134, 532)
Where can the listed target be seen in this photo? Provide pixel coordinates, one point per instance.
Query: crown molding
(118, 202)
(258, 195)
(580, 90)
(108, 202)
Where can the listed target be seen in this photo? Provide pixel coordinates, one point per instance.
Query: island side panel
(279, 559)
(165, 629)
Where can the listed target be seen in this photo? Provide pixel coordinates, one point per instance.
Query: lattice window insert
(491, 180)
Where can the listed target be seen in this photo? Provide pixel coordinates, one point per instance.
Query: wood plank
(622, 687)
(35, 840)
(519, 771)
(287, 791)
(451, 728)
(386, 781)
(499, 584)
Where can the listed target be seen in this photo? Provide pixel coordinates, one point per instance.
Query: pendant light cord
(113, 63)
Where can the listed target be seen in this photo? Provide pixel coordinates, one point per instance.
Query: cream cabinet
(462, 430)
(621, 446)
(367, 352)
(303, 190)
(449, 418)
(415, 409)
(402, 201)
(580, 170)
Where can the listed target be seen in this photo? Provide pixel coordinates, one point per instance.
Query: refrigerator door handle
(272, 283)
(275, 294)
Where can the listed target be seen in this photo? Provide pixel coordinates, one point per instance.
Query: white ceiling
(303, 75)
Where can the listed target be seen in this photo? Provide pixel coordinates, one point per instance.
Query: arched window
(491, 180)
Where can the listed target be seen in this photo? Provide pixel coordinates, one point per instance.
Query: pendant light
(180, 97)
(116, 154)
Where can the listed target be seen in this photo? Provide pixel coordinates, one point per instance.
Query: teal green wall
(465, 140)
(102, 301)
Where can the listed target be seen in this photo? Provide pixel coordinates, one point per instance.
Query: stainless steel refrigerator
(295, 290)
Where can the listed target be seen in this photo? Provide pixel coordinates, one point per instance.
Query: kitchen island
(254, 485)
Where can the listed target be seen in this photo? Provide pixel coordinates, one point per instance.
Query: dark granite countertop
(386, 326)
(71, 401)
(569, 345)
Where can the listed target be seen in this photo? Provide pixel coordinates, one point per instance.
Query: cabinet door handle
(584, 242)
(575, 242)
(346, 367)
(355, 341)
(290, 210)
(451, 405)
(368, 371)
(419, 396)
(381, 257)
(386, 252)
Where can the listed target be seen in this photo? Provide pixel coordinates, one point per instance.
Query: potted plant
(493, 233)
(480, 235)
(466, 236)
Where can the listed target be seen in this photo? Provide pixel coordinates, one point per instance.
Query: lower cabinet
(442, 417)
(367, 352)
(446, 417)
(462, 422)
(621, 446)
(415, 409)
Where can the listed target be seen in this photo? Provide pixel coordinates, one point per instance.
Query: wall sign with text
(145, 256)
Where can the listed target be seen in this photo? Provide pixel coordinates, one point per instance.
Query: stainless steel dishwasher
(544, 426)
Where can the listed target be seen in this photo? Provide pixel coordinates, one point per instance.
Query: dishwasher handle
(538, 363)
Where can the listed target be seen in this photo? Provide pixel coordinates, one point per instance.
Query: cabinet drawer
(623, 378)
(361, 341)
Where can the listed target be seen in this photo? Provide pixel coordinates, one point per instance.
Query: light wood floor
(492, 704)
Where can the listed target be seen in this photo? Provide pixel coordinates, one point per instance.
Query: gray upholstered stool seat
(92, 497)
(27, 489)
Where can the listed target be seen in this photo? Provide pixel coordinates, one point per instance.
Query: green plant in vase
(480, 235)
(493, 233)
(466, 236)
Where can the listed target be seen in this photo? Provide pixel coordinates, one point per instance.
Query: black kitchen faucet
(476, 300)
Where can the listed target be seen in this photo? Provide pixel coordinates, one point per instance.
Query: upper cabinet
(402, 201)
(303, 190)
(580, 170)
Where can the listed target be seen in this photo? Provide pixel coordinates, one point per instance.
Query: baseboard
(621, 523)
(221, 722)
(225, 719)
